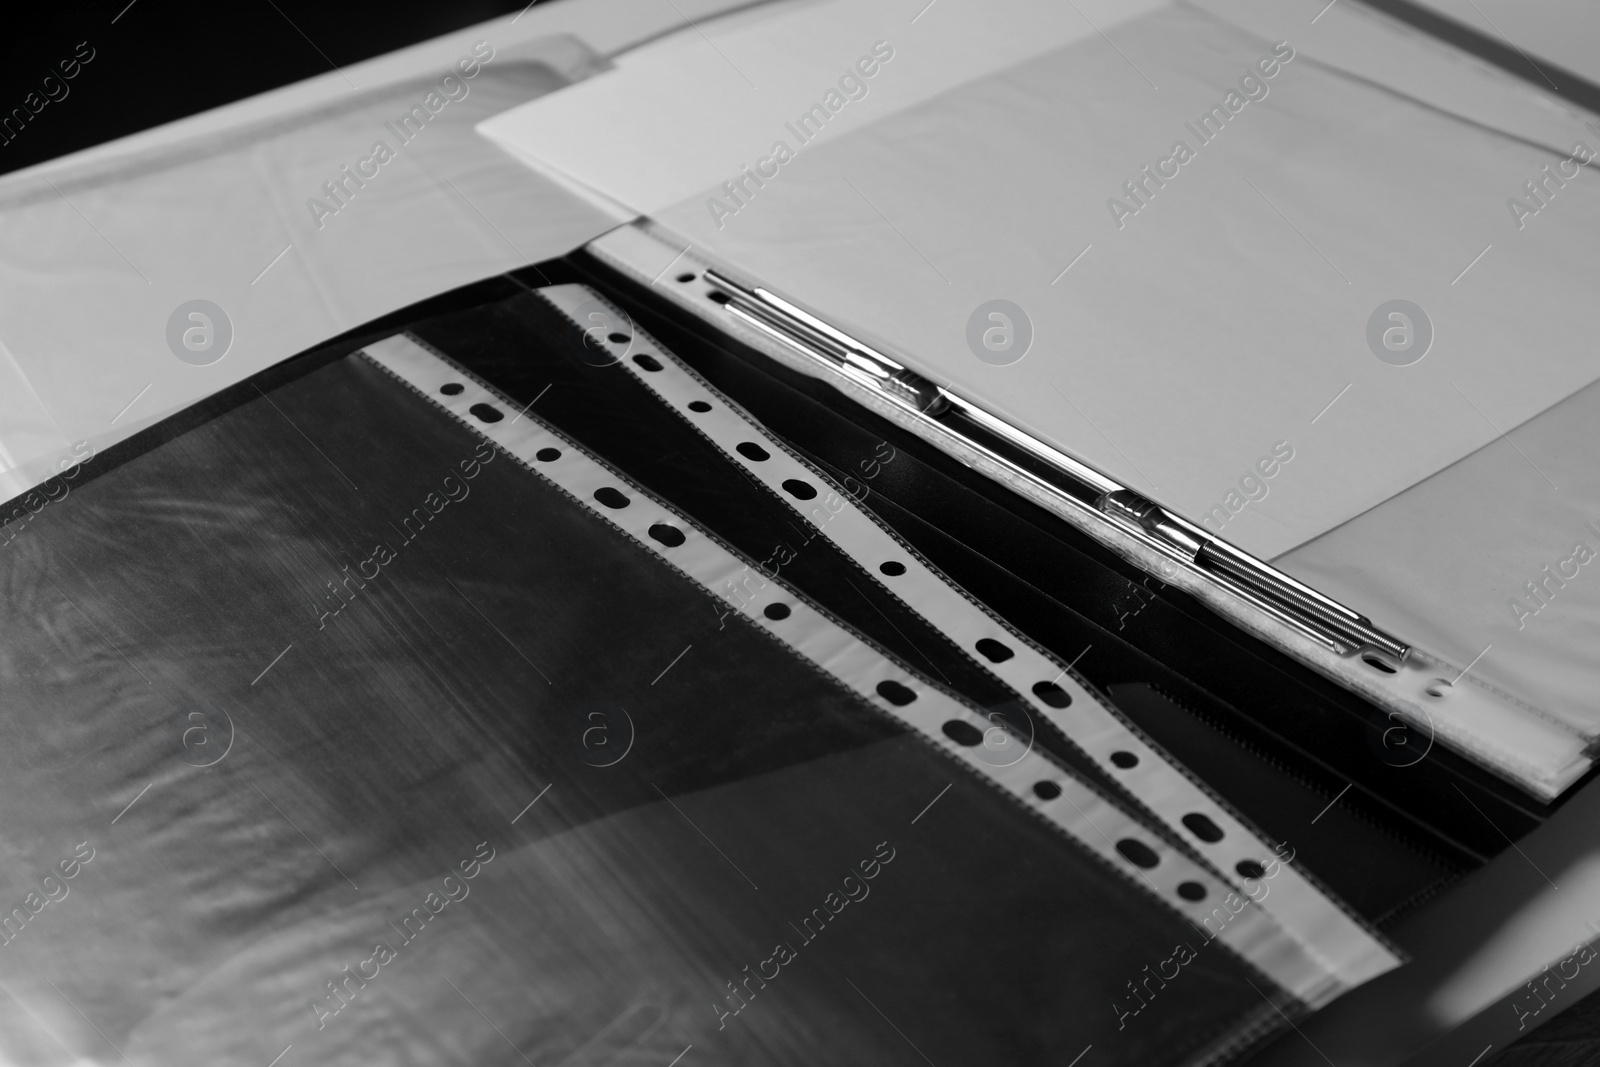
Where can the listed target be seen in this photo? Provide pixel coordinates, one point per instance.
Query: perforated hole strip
(1091, 820)
(1184, 805)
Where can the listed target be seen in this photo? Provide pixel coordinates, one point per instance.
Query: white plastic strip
(1044, 682)
(1033, 779)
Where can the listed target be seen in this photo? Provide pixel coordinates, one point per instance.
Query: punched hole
(1046, 790)
(1125, 760)
(1439, 688)
(1250, 869)
(963, 733)
(699, 405)
(667, 534)
(1193, 891)
(1138, 853)
(1378, 664)
(686, 277)
(452, 388)
(776, 612)
(1202, 827)
(647, 361)
(1052, 694)
(798, 489)
(993, 650)
(752, 451)
(486, 413)
(892, 568)
(719, 297)
(895, 693)
(611, 498)
(547, 455)
(617, 338)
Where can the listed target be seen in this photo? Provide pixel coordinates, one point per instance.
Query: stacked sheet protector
(371, 712)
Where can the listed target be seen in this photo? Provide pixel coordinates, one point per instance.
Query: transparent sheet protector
(98, 254)
(1492, 562)
(1219, 322)
(249, 746)
(1543, 756)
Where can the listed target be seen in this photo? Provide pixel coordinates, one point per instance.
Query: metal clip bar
(1269, 590)
(1217, 558)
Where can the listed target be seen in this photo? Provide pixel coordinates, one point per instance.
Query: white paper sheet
(1223, 320)
(694, 109)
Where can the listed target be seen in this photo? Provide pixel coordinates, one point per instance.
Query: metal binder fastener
(1269, 590)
